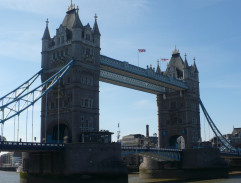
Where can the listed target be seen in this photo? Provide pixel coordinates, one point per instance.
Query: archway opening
(63, 132)
(173, 142)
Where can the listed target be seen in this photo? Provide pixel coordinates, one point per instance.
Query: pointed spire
(77, 22)
(185, 62)
(175, 51)
(158, 69)
(72, 6)
(46, 32)
(194, 65)
(96, 28)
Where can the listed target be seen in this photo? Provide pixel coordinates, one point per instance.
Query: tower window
(66, 51)
(52, 105)
(62, 39)
(87, 51)
(86, 102)
(173, 105)
(87, 37)
(58, 41)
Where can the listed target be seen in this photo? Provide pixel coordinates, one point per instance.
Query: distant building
(234, 138)
(133, 140)
(138, 140)
(12, 159)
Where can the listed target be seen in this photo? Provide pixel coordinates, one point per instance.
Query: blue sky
(207, 29)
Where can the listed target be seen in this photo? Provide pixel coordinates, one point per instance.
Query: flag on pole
(141, 50)
(164, 59)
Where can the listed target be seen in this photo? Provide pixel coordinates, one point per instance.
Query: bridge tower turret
(178, 111)
(96, 32)
(72, 106)
(45, 45)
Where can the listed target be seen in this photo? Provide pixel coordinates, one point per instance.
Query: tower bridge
(69, 96)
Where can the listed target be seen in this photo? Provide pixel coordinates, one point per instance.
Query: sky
(208, 30)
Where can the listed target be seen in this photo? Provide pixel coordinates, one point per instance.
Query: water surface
(12, 177)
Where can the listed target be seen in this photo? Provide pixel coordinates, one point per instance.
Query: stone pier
(195, 164)
(76, 162)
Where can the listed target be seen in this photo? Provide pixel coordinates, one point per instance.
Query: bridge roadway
(130, 76)
(158, 154)
(29, 146)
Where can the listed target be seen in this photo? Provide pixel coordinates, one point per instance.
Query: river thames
(12, 177)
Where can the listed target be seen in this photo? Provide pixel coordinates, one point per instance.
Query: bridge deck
(29, 146)
(158, 154)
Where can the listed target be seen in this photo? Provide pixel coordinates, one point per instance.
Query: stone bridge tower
(74, 102)
(178, 112)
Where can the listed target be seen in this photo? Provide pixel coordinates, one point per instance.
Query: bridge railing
(27, 146)
(149, 148)
(160, 154)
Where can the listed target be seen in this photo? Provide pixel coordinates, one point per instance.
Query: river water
(12, 177)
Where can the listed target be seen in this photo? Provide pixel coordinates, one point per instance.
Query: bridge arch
(173, 141)
(64, 131)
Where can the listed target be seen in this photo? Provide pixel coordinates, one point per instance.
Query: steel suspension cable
(46, 117)
(219, 136)
(2, 128)
(2, 124)
(204, 127)
(58, 110)
(209, 132)
(14, 128)
(27, 123)
(32, 117)
(27, 126)
(18, 121)
(49, 82)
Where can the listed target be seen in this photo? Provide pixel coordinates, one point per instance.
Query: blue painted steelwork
(19, 90)
(28, 99)
(236, 154)
(147, 73)
(160, 154)
(226, 145)
(29, 146)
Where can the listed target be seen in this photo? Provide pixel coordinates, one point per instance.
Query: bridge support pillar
(76, 162)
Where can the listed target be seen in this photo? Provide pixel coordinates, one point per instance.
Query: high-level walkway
(124, 74)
